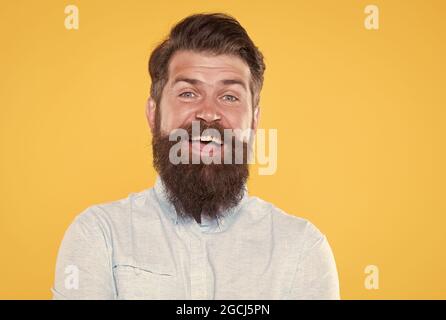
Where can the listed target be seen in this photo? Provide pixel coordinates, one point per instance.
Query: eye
(230, 98)
(187, 94)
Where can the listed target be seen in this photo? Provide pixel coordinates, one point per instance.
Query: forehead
(208, 67)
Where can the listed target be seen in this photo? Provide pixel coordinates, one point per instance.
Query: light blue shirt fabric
(137, 248)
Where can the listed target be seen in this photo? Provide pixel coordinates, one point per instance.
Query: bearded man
(197, 234)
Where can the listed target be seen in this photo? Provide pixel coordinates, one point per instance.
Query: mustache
(191, 128)
(216, 132)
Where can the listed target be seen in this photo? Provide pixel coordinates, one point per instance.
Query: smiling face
(205, 87)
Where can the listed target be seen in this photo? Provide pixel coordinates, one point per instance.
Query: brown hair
(215, 33)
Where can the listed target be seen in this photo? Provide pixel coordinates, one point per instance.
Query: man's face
(206, 87)
(214, 91)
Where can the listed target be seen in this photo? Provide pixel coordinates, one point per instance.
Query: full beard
(197, 190)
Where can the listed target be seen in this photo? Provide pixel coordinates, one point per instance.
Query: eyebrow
(225, 82)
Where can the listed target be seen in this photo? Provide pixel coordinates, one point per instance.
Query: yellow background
(360, 119)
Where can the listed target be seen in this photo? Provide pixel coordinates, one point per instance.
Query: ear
(256, 118)
(150, 112)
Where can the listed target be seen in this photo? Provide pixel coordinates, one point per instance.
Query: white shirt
(137, 248)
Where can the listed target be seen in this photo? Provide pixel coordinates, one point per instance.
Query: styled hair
(215, 33)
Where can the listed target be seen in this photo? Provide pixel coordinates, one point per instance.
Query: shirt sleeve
(83, 267)
(316, 275)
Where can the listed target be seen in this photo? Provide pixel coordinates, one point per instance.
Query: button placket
(198, 268)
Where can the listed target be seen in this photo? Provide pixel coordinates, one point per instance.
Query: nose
(208, 112)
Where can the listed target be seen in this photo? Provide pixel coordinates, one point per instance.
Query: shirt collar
(207, 225)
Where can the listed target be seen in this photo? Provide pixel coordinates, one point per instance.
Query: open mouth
(208, 145)
(206, 139)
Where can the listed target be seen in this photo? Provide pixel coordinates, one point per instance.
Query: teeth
(207, 139)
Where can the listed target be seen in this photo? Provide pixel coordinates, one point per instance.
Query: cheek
(167, 117)
(174, 116)
(239, 119)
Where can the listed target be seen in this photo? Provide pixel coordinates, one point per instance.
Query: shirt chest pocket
(135, 281)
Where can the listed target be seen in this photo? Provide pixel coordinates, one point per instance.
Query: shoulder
(284, 223)
(115, 216)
